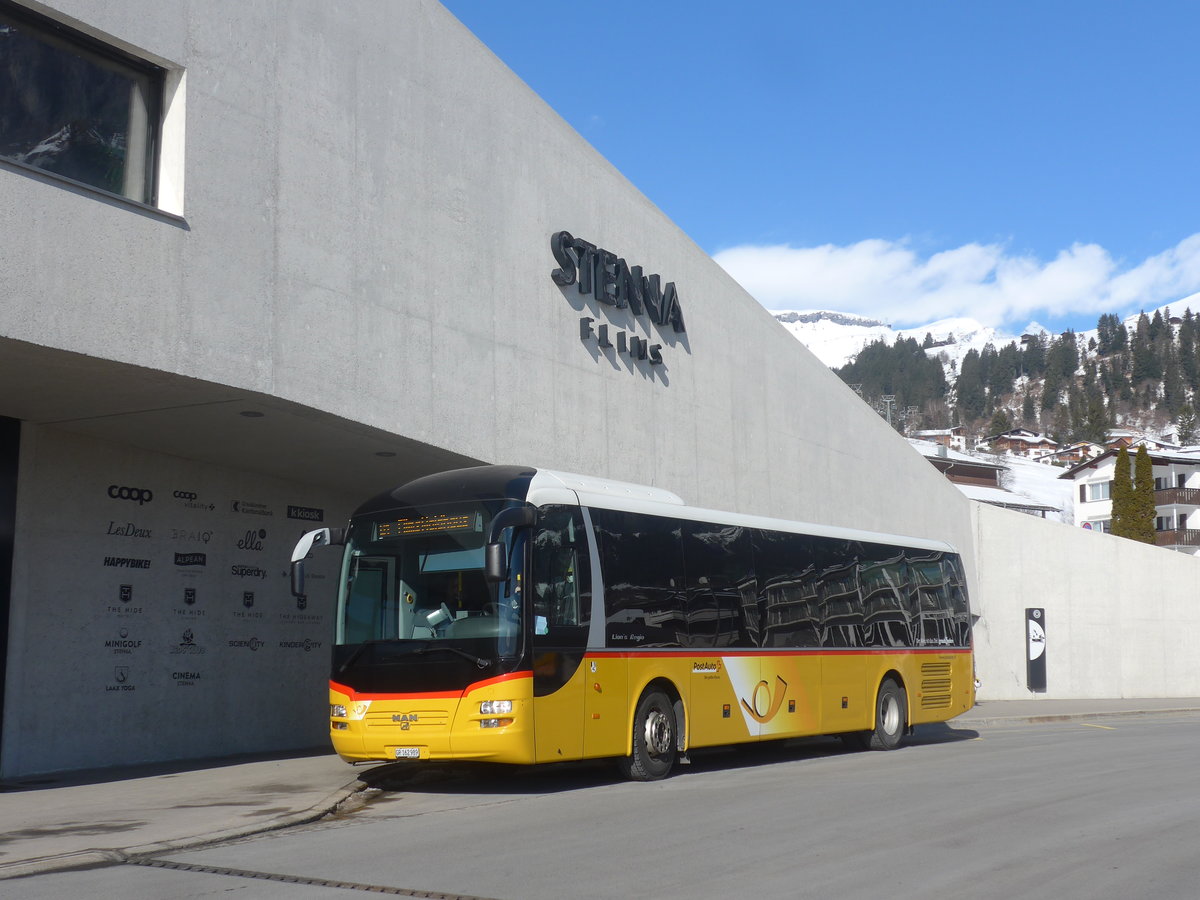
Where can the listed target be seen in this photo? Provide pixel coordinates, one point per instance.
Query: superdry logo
(305, 645)
(248, 572)
(250, 508)
(121, 562)
(191, 559)
(307, 513)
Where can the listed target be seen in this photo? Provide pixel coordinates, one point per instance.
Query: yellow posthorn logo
(763, 706)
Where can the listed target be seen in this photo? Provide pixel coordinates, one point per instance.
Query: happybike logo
(136, 494)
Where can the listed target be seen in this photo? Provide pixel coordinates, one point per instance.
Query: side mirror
(495, 563)
(321, 537)
(495, 559)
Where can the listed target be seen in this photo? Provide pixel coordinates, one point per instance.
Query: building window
(1104, 526)
(75, 107)
(1101, 490)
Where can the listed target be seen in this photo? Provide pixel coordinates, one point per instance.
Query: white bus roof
(548, 486)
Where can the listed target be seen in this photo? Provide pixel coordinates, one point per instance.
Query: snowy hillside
(835, 338)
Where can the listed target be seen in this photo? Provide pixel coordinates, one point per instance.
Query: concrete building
(323, 266)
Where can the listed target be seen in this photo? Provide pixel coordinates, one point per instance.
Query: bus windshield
(417, 576)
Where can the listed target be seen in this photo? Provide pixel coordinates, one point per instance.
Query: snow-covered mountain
(836, 338)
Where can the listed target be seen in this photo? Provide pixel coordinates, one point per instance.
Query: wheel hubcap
(891, 715)
(658, 733)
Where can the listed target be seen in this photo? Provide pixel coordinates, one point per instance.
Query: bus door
(728, 700)
(560, 588)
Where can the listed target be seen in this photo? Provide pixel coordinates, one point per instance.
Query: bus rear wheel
(891, 717)
(653, 739)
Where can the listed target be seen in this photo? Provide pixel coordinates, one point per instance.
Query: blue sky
(1008, 161)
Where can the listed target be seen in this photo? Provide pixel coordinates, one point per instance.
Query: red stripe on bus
(448, 695)
(816, 651)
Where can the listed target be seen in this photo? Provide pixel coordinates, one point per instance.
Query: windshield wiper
(357, 652)
(479, 661)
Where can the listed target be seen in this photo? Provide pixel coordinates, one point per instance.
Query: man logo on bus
(763, 706)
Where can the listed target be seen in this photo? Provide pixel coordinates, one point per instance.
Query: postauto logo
(136, 494)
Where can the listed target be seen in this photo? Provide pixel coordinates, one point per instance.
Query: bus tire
(891, 705)
(654, 739)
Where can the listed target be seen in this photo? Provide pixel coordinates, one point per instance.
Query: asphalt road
(1070, 809)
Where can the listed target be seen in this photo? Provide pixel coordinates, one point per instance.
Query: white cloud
(888, 280)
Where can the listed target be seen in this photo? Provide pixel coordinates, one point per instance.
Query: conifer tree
(1122, 496)
(1143, 497)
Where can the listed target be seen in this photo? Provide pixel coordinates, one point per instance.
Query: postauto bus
(520, 615)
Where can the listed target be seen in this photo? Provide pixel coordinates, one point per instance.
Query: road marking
(1105, 727)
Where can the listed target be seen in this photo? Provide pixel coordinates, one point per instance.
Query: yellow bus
(520, 615)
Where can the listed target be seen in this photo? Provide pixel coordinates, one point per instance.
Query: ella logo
(253, 540)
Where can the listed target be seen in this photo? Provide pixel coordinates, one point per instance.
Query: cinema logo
(612, 281)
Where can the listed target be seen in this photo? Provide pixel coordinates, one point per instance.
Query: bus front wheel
(891, 716)
(653, 739)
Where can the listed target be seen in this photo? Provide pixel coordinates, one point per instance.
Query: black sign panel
(1035, 646)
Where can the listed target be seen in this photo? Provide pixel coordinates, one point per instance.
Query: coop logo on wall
(191, 500)
(187, 645)
(612, 281)
(253, 540)
(136, 494)
(191, 559)
(306, 513)
(250, 508)
(122, 562)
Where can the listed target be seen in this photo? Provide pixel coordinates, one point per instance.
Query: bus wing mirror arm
(321, 537)
(495, 556)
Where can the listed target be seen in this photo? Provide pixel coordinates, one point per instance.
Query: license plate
(408, 753)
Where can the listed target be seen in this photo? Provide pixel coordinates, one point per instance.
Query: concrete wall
(159, 623)
(369, 200)
(1122, 618)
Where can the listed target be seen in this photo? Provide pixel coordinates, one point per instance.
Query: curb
(94, 859)
(1067, 717)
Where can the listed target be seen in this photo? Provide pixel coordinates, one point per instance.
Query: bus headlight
(494, 723)
(495, 708)
(337, 711)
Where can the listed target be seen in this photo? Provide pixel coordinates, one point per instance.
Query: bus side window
(561, 579)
